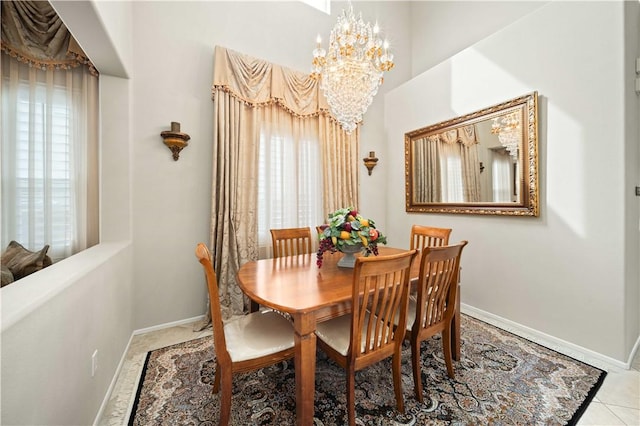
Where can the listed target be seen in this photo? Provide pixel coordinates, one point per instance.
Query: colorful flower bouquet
(346, 230)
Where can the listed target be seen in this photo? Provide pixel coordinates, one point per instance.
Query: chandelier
(352, 70)
(509, 132)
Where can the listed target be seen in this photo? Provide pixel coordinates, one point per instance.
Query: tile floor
(616, 403)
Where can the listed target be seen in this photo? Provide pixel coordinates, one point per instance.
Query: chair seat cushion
(411, 312)
(257, 334)
(337, 333)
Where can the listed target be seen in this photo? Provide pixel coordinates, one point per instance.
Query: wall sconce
(370, 161)
(175, 140)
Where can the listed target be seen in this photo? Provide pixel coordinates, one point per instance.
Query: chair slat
(428, 236)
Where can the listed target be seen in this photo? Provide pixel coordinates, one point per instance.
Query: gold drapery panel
(253, 97)
(340, 155)
(431, 151)
(34, 34)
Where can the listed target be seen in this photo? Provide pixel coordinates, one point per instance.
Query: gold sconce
(370, 161)
(175, 140)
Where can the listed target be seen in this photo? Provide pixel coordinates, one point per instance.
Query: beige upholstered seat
(428, 236)
(244, 344)
(361, 339)
(433, 309)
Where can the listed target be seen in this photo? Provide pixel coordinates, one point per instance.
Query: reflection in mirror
(481, 163)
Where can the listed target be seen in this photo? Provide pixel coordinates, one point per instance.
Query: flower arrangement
(347, 228)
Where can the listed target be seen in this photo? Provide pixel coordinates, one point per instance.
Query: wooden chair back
(219, 343)
(380, 288)
(291, 241)
(437, 288)
(428, 236)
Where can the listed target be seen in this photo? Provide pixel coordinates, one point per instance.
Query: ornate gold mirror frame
(485, 162)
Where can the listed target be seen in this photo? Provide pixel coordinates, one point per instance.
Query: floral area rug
(502, 379)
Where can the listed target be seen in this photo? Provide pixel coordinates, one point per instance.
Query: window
(451, 179)
(502, 178)
(49, 153)
(289, 187)
(31, 189)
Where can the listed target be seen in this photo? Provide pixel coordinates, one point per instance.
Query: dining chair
(367, 335)
(291, 241)
(247, 343)
(287, 242)
(434, 307)
(428, 236)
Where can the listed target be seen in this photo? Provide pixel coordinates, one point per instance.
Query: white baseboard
(574, 351)
(167, 325)
(124, 356)
(112, 385)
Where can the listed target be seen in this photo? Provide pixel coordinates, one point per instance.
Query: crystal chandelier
(509, 132)
(352, 70)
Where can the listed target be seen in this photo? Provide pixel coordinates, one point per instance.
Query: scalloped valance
(466, 135)
(34, 34)
(257, 82)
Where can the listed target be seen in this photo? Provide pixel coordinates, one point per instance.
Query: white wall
(441, 29)
(632, 172)
(563, 273)
(75, 307)
(173, 44)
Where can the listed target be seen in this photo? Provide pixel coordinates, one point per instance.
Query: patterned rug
(501, 379)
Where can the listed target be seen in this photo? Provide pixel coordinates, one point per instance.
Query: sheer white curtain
(289, 176)
(452, 187)
(49, 157)
(502, 176)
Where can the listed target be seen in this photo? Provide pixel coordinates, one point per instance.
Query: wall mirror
(485, 162)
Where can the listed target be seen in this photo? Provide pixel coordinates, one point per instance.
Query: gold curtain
(34, 34)
(427, 179)
(461, 142)
(249, 96)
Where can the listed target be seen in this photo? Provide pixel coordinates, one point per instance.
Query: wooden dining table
(311, 294)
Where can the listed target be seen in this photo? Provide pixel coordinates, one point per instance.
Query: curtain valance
(466, 135)
(34, 34)
(257, 82)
